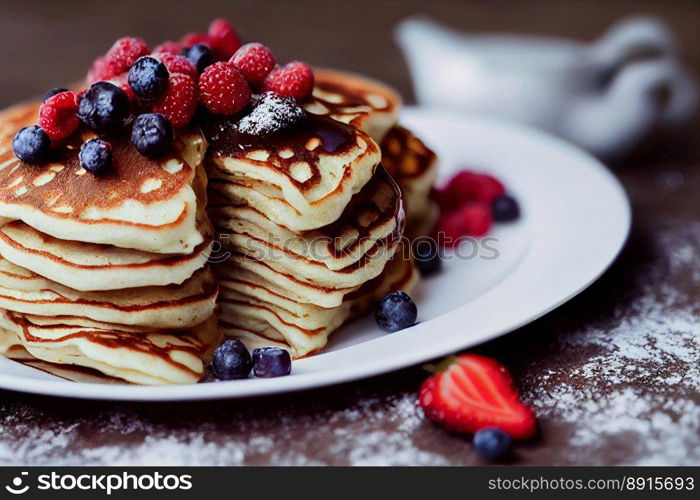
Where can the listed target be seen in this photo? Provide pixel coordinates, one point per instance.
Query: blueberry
(199, 55)
(492, 443)
(95, 155)
(427, 256)
(271, 113)
(53, 92)
(231, 361)
(505, 208)
(395, 312)
(152, 135)
(271, 362)
(31, 144)
(148, 77)
(103, 107)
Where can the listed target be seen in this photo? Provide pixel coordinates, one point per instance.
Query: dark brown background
(599, 398)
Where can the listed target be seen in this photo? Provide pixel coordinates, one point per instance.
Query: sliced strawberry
(474, 392)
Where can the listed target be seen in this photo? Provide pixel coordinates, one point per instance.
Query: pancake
(90, 266)
(151, 358)
(414, 167)
(304, 329)
(301, 178)
(344, 254)
(143, 204)
(172, 306)
(358, 101)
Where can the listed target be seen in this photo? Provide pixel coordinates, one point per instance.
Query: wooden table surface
(614, 375)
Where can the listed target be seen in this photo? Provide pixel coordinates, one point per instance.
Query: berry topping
(223, 89)
(426, 254)
(271, 362)
(448, 229)
(95, 155)
(505, 208)
(492, 443)
(179, 64)
(295, 79)
(179, 101)
(99, 71)
(470, 393)
(199, 55)
(231, 361)
(152, 135)
(123, 54)
(272, 113)
(395, 312)
(223, 39)
(167, 47)
(103, 107)
(254, 61)
(31, 144)
(53, 92)
(476, 218)
(57, 116)
(148, 77)
(191, 39)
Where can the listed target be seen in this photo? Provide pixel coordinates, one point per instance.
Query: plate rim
(311, 380)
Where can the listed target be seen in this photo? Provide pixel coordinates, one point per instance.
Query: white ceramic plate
(575, 220)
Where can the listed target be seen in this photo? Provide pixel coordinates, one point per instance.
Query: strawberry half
(472, 392)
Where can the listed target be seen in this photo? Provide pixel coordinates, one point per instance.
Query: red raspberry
(476, 218)
(124, 53)
(223, 89)
(122, 81)
(254, 61)
(448, 229)
(57, 116)
(178, 64)
(179, 101)
(295, 79)
(191, 39)
(468, 185)
(167, 47)
(224, 39)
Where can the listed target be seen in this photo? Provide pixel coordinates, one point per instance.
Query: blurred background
(50, 43)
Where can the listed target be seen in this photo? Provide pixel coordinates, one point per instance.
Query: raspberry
(179, 101)
(167, 47)
(101, 70)
(224, 39)
(223, 89)
(58, 117)
(124, 53)
(191, 39)
(295, 79)
(468, 185)
(178, 64)
(476, 218)
(448, 229)
(122, 81)
(254, 61)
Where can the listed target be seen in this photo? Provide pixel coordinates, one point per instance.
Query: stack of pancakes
(110, 275)
(310, 220)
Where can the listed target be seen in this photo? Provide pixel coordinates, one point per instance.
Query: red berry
(449, 229)
(124, 53)
(99, 71)
(167, 47)
(224, 39)
(191, 39)
(57, 116)
(474, 392)
(295, 79)
(178, 64)
(179, 101)
(254, 61)
(122, 81)
(476, 218)
(468, 185)
(223, 89)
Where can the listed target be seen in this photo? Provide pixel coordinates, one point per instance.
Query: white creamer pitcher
(605, 96)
